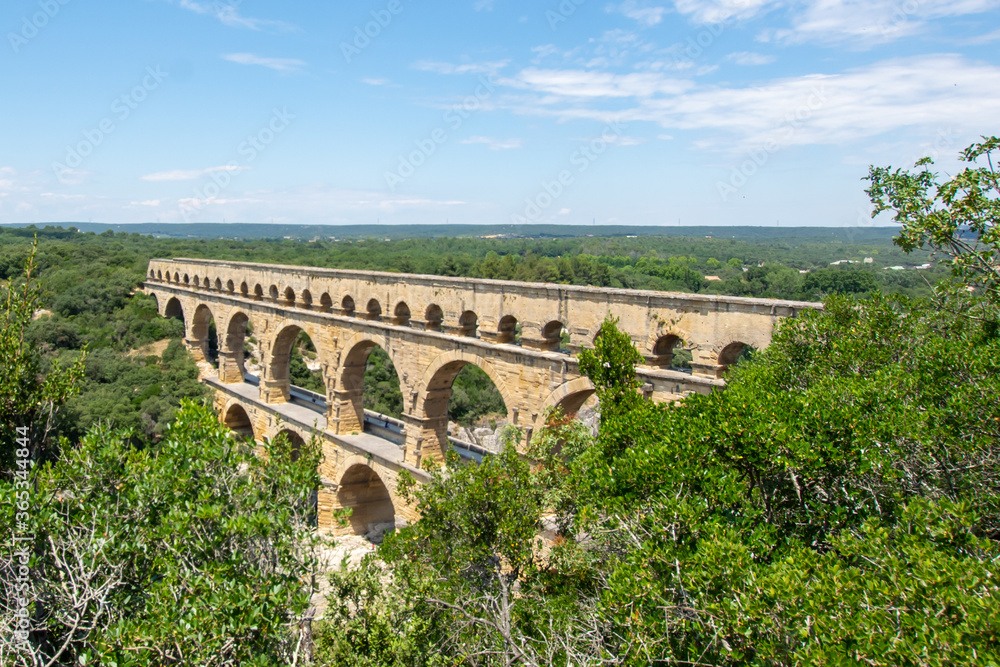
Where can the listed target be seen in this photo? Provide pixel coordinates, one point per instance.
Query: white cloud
(229, 15)
(749, 58)
(189, 174)
(466, 68)
(493, 144)
(484, 5)
(721, 11)
(375, 82)
(644, 15)
(924, 92)
(277, 64)
(148, 202)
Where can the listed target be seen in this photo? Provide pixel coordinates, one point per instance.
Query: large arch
(363, 491)
(237, 419)
(569, 397)
(349, 394)
(278, 381)
(205, 335)
(174, 309)
(295, 440)
(232, 351)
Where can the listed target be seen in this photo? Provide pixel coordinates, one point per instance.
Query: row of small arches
(433, 316)
(661, 354)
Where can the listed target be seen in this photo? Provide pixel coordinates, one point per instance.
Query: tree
(29, 398)
(960, 217)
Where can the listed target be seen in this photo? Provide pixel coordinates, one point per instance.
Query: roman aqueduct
(430, 326)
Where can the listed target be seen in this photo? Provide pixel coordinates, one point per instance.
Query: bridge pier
(230, 366)
(426, 439)
(346, 413)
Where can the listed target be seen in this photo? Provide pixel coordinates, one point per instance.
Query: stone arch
(347, 306)
(306, 299)
(401, 314)
(201, 324)
(433, 316)
(362, 490)
(570, 396)
(662, 350)
(295, 439)
(218, 284)
(230, 287)
(236, 419)
(272, 292)
(258, 292)
(177, 277)
(730, 354)
(159, 276)
(373, 310)
(233, 350)
(277, 370)
(288, 297)
(174, 309)
(552, 335)
(206, 283)
(468, 322)
(348, 405)
(507, 329)
(431, 411)
(152, 274)
(244, 289)
(187, 280)
(325, 303)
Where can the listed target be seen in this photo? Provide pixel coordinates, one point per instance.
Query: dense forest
(836, 503)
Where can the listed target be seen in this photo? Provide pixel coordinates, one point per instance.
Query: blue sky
(727, 112)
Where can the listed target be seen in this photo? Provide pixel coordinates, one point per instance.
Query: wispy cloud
(641, 13)
(375, 82)
(188, 174)
(465, 68)
(749, 58)
(484, 5)
(277, 64)
(492, 143)
(228, 14)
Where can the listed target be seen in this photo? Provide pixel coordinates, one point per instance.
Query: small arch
(159, 276)
(507, 329)
(373, 310)
(289, 297)
(401, 314)
(272, 292)
(733, 353)
(230, 287)
(152, 274)
(468, 322)
(244, 289)
(187, 281)
(325, 303)
(362, 490)
(306, 299)
(552, 335)
(206, 283)
(258, 292)
(237, 419)
(434, 316)
(177, 278)
(664, 350)
(347, 306)
(218, 284)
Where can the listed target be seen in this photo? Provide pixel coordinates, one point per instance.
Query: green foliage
(382, 393)
(958, 217)
(194, 551)
(28, 399)
(474, 396)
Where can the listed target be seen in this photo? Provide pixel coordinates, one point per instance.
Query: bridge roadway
(524, 336)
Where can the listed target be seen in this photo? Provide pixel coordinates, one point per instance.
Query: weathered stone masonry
(431, 327)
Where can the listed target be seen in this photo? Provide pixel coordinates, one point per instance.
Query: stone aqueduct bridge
(431, 327)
